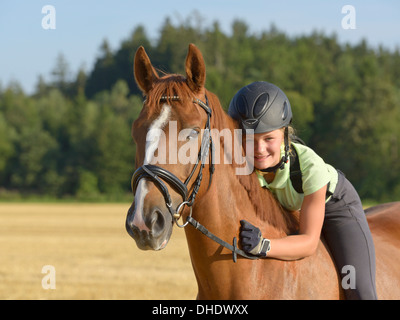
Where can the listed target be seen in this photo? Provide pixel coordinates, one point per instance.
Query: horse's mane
(267, 208)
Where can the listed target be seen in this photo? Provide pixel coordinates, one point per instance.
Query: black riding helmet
(263, 107)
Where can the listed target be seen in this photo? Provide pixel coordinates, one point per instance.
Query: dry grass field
(93, 256)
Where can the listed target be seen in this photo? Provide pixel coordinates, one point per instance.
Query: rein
(158, 174)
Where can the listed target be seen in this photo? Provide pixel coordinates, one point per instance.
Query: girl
(328, 202)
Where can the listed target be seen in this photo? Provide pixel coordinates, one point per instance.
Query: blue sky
(28, 50)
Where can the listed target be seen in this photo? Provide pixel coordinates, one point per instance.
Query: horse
(211, 198)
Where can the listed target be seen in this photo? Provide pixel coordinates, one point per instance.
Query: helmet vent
(285, 111)
(260, 104)
(250, 124)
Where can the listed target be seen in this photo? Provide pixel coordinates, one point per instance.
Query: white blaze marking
(153, 135)
(152, 141)
(141, 192)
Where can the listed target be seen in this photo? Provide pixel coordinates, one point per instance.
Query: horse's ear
(144, 71)
(195, 69)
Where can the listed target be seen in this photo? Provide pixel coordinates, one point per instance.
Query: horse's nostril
(156, 222)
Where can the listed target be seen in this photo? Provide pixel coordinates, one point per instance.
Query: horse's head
(172, 138)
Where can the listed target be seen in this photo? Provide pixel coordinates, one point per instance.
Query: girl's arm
(306, 242)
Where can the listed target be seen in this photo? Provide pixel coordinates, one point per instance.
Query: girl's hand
(252, 240)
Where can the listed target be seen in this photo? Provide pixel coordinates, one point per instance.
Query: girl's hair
(292, 133)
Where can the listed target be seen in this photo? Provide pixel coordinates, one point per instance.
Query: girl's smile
(267, 149)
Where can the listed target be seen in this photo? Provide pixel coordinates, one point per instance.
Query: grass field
(93, 256)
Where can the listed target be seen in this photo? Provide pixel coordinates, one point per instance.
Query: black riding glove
(252, 240)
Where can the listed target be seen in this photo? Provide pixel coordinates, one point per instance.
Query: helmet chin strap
(285, 158)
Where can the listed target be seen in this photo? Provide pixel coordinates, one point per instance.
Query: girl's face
(267, 148)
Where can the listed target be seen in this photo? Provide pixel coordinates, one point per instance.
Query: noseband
(157, 174)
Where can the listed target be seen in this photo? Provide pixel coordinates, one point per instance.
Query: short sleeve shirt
(315, 175)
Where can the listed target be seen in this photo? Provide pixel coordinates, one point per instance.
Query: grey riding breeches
(349, 239)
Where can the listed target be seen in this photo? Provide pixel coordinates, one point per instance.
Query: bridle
(158, 174)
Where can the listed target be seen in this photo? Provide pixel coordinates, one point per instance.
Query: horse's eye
(193, 134)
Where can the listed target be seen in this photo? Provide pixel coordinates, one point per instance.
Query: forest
(71, 138)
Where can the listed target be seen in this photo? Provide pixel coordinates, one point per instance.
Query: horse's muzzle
(159, 226)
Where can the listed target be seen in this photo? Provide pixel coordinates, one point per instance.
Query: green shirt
(315, 174)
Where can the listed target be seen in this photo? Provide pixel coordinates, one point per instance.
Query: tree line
(71, 138)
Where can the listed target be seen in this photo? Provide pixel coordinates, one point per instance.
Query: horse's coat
(231, 198)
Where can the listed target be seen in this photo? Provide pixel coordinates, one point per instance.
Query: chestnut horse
(172, 189)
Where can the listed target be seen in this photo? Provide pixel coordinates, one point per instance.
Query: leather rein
(157, 174)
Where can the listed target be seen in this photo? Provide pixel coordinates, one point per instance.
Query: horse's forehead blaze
(153, 134)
